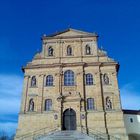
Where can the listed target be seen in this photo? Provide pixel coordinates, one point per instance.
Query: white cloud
(130, 96)
(10, 93)
(9, 106)
(10, 85)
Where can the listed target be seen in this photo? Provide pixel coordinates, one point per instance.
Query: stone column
(41, 94)
(84, 120)
(61, 98)
(103, 104)
(117, 100)
(24, 94)
(99, 102)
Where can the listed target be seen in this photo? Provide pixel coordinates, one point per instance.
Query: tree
(3, 135)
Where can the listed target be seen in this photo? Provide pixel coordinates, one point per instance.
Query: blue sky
(22, 23)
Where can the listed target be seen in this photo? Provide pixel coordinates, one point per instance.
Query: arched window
(89, 79)
(49, 80)
(69, 50)
(31, 105)
(108, 103)
(90, 104)
(88, 50)
(48, 104)
(105, 79)
(33, 81)
(50, 51)
(69, 78)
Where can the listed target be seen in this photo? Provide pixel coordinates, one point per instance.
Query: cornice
(101, 64)
(68, 37)
(67, 40)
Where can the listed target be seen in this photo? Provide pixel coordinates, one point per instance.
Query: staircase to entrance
(55, 134)
(66, 135)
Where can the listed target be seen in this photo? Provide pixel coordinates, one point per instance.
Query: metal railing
(36, 134)
(97, 135)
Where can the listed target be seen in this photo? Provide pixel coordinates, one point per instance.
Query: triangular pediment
(71, 32)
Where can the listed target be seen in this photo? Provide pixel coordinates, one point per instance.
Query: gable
(71, 32)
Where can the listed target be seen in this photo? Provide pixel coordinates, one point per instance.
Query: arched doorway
(69, 119)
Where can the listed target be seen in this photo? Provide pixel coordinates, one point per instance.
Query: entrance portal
(69, 119)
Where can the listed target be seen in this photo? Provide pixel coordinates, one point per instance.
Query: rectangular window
(48, 104)
(90, 104)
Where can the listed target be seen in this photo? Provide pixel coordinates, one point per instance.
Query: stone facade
(104, 113)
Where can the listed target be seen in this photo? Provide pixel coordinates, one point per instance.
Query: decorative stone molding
(32, 95)
(69, 88)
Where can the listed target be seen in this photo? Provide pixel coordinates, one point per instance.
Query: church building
(71, 85)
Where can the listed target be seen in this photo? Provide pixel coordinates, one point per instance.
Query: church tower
(71, 85)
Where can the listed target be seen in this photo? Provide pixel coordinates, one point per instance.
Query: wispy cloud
(10, 93)
(9, 105)
(130, 96)
(10, 85)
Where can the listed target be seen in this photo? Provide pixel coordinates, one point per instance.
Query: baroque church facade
(71, 85)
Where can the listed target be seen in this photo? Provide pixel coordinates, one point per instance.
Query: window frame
(69, 78)
(90, 104)
(86, 48)
(50, 47)
(131, 120)
(89, 79)
(69, 52)
(49, 81)
(48, 105)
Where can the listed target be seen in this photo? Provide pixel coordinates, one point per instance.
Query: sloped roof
(70, 32)
(136, 112)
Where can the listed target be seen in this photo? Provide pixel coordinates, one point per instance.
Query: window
(31, 105)
(108, 103)
(50, 51)
(131, 120)
(69, 50)
(90, 104)
(69, 78)
(49, 80)
(89, 79)
(48, 104)
(33, 81)
(105, 79)
(88, 50)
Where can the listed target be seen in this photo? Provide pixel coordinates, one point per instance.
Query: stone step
(66, 135)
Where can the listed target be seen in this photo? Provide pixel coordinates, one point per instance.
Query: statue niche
(105, 79)
(31, 105)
